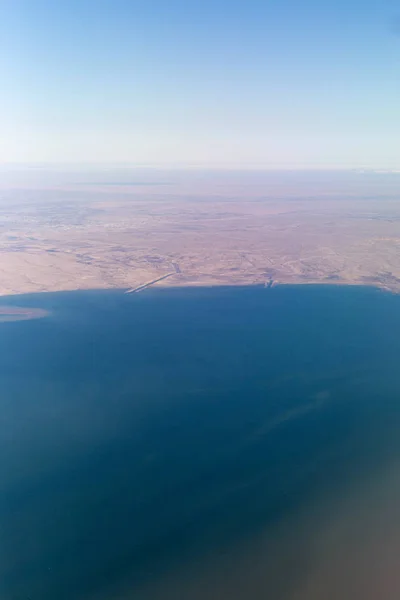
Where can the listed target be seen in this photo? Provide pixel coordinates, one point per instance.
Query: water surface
(201, 443)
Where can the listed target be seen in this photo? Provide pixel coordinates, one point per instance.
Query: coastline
(180, 280)
(18, 313)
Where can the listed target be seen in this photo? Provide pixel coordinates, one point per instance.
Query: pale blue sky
(216, 82)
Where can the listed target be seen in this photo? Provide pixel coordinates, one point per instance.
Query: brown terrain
(130, 229)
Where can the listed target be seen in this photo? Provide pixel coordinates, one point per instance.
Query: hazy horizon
(181, 166)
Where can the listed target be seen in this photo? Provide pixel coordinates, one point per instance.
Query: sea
(220, 443)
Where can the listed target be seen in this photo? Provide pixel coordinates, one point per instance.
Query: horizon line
(198, 166)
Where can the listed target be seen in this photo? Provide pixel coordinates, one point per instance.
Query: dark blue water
(142, 433)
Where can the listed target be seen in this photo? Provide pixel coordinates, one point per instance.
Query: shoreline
(18, 313)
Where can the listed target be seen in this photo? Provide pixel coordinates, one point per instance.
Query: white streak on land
(148, 284)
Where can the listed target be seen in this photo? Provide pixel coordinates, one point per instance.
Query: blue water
(142, 433)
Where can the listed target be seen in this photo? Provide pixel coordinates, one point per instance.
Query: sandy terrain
(58, 234)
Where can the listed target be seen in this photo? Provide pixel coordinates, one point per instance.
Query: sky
(238, 83)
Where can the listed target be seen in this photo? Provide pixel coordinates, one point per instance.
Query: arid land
(131, 229)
